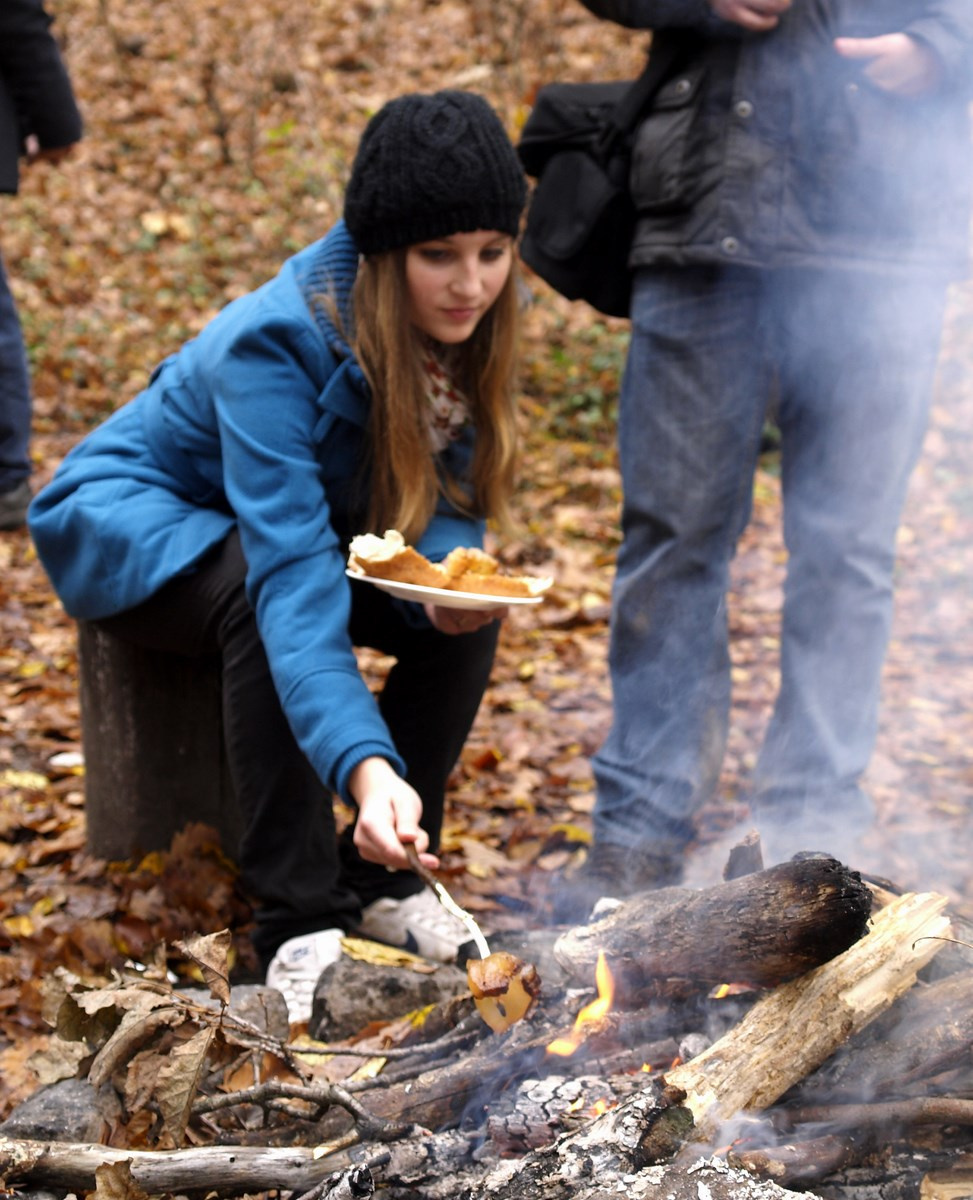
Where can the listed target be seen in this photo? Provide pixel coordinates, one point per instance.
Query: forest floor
(216, 139)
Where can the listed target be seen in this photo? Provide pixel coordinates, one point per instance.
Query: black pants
(290, 859)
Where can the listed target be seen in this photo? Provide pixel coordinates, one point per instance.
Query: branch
(921, 1110)
(227, 1170)
(321, 1095)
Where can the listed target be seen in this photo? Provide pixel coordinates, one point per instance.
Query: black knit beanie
(429, 166)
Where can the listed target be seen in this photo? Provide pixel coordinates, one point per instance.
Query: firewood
(748, 1068)
(801, 1164)
(948, 1185)
(228, 1169)
(930, 1030)
(919, 1110)
(957, 953)
(232, 1170)
(421, 1165)
(608, 1157)
(745, 858)
(437, 1096)
(793, 1029)
(760, 929)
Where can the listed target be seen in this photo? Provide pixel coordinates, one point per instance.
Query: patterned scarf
(448, 410)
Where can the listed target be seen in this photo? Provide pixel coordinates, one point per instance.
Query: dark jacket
(35, 90)
(772, 150)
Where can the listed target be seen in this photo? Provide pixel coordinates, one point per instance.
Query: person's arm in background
(935, 50)
(714, 17)
(895, 62)
(35, 75)
(936, 47)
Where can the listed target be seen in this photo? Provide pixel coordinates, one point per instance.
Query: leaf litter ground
(217, 139)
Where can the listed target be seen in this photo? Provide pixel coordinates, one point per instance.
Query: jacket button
(730, 245)
(743, 109)
(681, 86)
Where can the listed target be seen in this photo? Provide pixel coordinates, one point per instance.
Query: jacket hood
(326, 271)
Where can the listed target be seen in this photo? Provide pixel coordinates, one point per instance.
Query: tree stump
(152, 730)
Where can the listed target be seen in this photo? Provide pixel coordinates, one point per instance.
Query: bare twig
(463, 1032)
(921, 1110)
(321, 1096)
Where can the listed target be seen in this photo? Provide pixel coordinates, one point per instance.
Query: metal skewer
(447, 901)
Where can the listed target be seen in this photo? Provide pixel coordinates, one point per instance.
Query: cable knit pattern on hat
(429, 166)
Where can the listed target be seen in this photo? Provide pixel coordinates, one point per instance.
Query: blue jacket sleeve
(265, 401)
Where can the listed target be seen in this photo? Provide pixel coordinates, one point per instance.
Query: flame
(721, 992)
(590, 1014)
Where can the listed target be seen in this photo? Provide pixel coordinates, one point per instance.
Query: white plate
(444, 597)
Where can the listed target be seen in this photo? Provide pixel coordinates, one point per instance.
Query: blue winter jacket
(257, 423)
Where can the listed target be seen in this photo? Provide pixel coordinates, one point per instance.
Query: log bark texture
(930, 1030)
(152, 728)
(227, 1169)
(760, 929)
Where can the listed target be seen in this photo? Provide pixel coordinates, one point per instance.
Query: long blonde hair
(404, 483)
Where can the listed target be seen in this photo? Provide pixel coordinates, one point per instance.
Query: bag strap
(628, 111)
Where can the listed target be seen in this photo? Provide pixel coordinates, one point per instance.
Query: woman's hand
(759, 16)
(462, 620)
(389, 810)
(895, 62)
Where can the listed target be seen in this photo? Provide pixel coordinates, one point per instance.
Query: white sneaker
(418, 923)
(296, 968)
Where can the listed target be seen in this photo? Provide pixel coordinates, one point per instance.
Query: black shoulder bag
(577, 143)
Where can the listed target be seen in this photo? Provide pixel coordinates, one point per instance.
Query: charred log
(801, 1164)
(760, 929)
(612, 1155)
(745, 858)
(461, 1089)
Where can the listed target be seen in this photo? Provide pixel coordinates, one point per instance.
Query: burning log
(439, 1096)
(751, 1067)
(653, 1124)
(616, 1149)
(763, 1056)
(761, 929)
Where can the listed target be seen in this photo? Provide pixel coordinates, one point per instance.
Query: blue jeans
(14, 393)
(851, 358)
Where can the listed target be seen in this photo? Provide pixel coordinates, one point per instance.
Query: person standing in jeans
(39, 120)
(803, 187)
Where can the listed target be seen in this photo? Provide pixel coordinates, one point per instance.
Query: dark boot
(613, 871)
